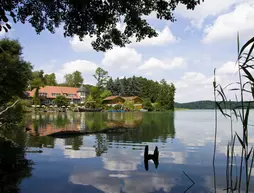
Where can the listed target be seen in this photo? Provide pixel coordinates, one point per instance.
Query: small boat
(89, 110)
(143, 110)
(116, 111)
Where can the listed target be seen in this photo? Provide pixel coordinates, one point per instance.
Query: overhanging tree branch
(11, 106)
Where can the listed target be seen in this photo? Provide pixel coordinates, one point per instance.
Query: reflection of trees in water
(74, 142)
(101, 144)
(36, 141)
(95, 121)
(127, 119)
(13, 164)
(153, 126)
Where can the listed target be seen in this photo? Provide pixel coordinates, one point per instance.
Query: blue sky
(185, 52)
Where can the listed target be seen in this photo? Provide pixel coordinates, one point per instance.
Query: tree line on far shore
(160, 93)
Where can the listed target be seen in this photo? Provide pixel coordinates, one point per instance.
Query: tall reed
(245, 86)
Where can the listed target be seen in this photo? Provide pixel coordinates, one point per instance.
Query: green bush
(157, 107)
(129, 104)
(148, 105)
(117, 107)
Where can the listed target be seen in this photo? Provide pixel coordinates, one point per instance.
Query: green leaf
(222, 96)
(235, 114)
(5, 19)
(225, 114)
(250, 51)
(5, 29)
(245, 121)
(245, 45)
(250, 77)
(240, 140)
(8, 26)
(248, 156)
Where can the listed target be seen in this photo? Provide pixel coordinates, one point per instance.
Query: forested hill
(209, 105)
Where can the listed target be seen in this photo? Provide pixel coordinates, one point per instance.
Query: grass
(245, 85)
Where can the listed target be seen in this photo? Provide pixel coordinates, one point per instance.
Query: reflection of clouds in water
(172, 157)
(154, 183)
(121, 160)
(220, 184)
(118, 176)
(199, 131)
(86, 150)
(141, 182)
(82, 153)
(59, 143)
(98, 179)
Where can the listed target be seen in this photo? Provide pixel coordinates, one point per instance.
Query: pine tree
(123, 86)
(110, 85)
(117, 87)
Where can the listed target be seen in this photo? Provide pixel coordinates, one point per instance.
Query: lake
(113, 161)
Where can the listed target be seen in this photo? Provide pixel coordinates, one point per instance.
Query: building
(47, 94)
(116, 100)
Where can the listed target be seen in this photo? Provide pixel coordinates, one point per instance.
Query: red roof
(125, 98)
(111, 98)
(58, 90)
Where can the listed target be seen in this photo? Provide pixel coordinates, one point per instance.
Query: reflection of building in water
(82, 122)
(47, 124)
(127, 120)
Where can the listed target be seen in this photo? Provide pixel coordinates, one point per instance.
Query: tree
(61, 100)
(166, 95)
(148, 105)
(123, 87)
(129, 105)
(50, 79)
(14, 71)
(68, 79)
(110, 85)
(102, 77)
(136, 87)
(93, 18)
(75, 79)
(117, 87)
(105, 93)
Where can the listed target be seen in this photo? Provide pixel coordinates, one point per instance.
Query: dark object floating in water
(89, 110)
(28, 129)
(116, 111)
(34, 151)
(66, 134)
(154, 157)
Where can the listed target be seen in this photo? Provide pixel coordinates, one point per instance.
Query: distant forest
(211, 104)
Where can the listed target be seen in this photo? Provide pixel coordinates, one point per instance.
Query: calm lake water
(114, 162)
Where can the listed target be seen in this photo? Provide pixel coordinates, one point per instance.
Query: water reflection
(14, 166)
(114, 162)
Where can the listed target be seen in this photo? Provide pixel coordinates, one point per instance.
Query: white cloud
(164, 37)
(228, 68)
(154, 63)
(122, 57)
(148, 73)
(204, 10)
(227, 25)
(81, 46)
(193, 86)
(83, 66)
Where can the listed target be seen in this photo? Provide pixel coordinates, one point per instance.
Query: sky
(185, 52)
